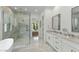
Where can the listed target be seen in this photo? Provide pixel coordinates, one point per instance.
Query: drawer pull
(57, 42)
(48, 37)
(56, 47)
(72, 50)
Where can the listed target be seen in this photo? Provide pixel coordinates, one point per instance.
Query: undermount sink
(6, 44)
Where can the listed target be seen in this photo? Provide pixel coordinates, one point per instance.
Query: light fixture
(15, 8)
(36, 38)
(36, 10)
(25, 9)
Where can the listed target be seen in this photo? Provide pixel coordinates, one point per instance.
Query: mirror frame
(59, 21)
(72, 30)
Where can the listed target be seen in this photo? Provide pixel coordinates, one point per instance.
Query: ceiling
(30, 9)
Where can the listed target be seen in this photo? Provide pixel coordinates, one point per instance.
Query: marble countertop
(71, 40)
(73, 43)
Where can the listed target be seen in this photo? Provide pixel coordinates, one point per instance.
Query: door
(25, 29)
(42, 25)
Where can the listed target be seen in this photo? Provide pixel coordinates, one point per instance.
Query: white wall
(42, 27)
(34, 18)
(65, 21)
(22, 20)
(1, 24)
(8, 14)
(65, 12)
(47, 21)
(1, 21)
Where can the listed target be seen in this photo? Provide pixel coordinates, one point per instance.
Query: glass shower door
(25, 30)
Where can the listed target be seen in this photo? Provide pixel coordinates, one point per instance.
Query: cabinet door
(47, 37)
(67, 48)
(73, 49)
(58, 44)
(52, 41)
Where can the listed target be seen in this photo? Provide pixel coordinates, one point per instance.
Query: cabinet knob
(72, 50)
(56, 47)
(57, 42)
(48, 37)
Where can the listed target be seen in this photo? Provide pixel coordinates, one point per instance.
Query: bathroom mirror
(56, 22)
(75, 19)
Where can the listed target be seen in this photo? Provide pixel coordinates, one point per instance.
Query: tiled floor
(22, 45)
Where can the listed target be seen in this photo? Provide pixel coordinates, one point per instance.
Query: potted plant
(35, 26)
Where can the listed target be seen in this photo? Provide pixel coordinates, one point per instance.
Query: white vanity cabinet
(60, 44)
(67, 48)
(57, 44)
(54, 41)
(50, 40)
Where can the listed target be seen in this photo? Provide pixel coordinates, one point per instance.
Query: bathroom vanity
(61, 38)
(62, 42)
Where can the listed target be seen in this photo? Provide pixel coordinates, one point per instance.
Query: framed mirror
(56, 22)
(75, 19)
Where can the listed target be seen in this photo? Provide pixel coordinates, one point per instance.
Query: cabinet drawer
(58, 45)
(57, 42)
(72, 49)
(65, 48)
(68, 48)
(58, 48)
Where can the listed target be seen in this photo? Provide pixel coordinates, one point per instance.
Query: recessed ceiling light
(36, 10)
(25, 9)
(15, 8)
